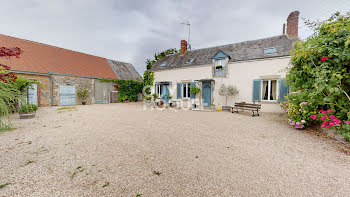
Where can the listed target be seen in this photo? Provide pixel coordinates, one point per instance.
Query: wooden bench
(247, 106)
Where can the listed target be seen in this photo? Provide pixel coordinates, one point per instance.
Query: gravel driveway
(122, 150)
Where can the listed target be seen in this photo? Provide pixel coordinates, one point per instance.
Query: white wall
(240, 74)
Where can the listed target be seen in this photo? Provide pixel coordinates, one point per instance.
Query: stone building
(62, 73)
(256, 67)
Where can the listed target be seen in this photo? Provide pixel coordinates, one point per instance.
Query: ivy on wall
(127, 89)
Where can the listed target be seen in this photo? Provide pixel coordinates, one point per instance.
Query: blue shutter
(283, 89)
(257, 90)
(178, 90)
(155, 88)
(193, 84)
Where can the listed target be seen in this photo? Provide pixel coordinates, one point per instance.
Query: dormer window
(163, 64)
(220, 61)
(189, 61)
(270, 51)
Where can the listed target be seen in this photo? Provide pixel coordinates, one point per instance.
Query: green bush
(83, 93)
(127, 89)
(320, 73)
(26, 108)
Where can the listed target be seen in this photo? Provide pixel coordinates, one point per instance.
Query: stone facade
(79, 83)
(44, 96)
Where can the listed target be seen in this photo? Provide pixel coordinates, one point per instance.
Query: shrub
(228, 91)
(26, 108)
(195, 90)
(83, 93)
(320, 73)
(127, 89)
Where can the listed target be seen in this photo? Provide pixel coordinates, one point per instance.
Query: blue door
(206, 93)
(165, 92)
(67, 95)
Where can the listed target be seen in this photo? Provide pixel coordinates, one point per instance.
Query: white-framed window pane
(265, 90)
(273, 90)
(188, 90)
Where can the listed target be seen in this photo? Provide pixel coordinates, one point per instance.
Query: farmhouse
(63, 73)
(257, 68)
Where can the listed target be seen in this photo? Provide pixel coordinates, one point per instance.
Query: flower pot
(26, 115)
(226, 108)
(83, 103)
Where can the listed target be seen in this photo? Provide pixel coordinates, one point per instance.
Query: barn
(62, 73)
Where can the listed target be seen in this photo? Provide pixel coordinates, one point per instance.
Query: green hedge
(127, 89)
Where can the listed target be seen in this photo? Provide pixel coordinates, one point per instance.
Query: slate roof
(43, 58)
(241, 51)
(124, 70)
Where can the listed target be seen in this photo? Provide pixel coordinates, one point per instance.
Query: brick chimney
(183, 48)
(292, 24)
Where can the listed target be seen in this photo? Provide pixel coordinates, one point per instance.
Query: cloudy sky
(133, 31)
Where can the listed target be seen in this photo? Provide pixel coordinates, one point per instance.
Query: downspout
(51, 89)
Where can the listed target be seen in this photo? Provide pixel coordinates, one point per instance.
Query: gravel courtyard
(123, 150)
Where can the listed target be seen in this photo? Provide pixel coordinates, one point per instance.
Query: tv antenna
(189, 33)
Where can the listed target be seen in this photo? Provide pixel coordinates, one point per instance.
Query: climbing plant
(127, 89)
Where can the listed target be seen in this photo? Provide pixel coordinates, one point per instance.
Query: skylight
(271, 50)
(163, 64)
(189, 61)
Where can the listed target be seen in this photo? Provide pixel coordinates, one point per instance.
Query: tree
(148, 76)
(229, 90)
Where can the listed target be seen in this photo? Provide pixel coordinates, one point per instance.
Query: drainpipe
(51, 89)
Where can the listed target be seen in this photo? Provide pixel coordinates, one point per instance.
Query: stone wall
(78, 82)
(44, 95)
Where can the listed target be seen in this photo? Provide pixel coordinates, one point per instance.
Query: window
(219, 68)
(271, 50)
(189, 61)
(163, 64)
(186, 88)
(269, 90)
(159, 90)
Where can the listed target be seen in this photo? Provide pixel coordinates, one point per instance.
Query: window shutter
(178, 90)
(256, 90)
(155, 88)
(283, 89)
(193, 84)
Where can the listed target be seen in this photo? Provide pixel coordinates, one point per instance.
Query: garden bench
(247, 106)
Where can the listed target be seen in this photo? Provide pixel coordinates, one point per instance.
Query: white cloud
(133, 31)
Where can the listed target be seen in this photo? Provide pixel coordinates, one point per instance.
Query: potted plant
(194, 90)
(27, 111)
(212, 106)
(218, 67)
(83, 93)
(148, 100)
(227, 91)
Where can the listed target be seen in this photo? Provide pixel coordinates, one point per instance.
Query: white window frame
(187, 85)
(269, 89)
(159, 90)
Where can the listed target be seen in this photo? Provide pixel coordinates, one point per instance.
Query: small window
(269, 90)
(163, 64)
(271, 50)
(189, 61)
(220, 68)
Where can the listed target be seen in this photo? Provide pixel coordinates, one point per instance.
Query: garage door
(67, 95)
(33, 94)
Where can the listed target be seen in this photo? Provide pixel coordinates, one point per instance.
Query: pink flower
(298, 123)
(337, 120)
(347, 122)
(303, 103)
(328, 127)
(303, 121)
(324, 112)
(323, 125)
(330, 111)
(332, 117)
(327, 122)
(313, 117)
(323, 58)
(332, 123)
(316, 115)
(338, 125)
(320, 111)
(323, 117)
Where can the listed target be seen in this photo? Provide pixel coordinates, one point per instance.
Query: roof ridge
(240, 42)
(51, 46)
